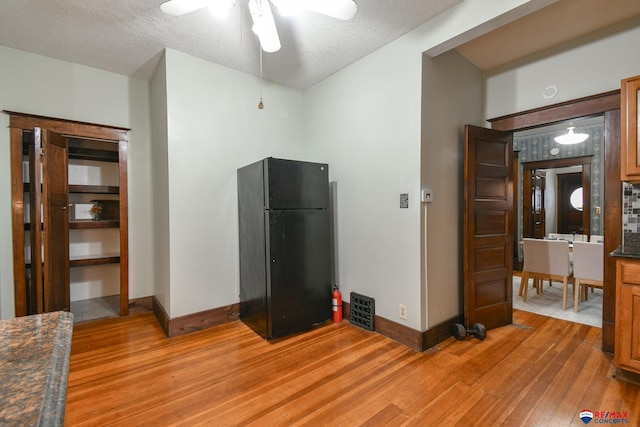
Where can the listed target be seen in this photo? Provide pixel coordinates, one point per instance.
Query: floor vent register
(363, 310)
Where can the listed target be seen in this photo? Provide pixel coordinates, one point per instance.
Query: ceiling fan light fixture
(288, 7)
(340, 9)
(570, 137)
(264, 26)
(220, 8)
(180, 7)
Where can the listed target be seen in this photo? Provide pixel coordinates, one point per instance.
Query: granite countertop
(627, 251)
(34, 366)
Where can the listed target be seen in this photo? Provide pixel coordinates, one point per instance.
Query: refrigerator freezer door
(299, 270)
(296, 185)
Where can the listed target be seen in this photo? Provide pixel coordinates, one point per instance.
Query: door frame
(21, 123)
(608, 105)
(584, 161)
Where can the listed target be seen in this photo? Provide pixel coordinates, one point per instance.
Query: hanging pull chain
(260, 104)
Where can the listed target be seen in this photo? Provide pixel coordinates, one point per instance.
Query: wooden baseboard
(140, 305)
(608, 336)
(161, 315)
(624, 375)
(419, 341)
(440, 332)
(195, 321)
(401, 333)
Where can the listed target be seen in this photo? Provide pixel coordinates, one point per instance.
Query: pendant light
(571, 138)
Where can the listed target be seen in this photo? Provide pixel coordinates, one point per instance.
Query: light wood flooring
(538, 372)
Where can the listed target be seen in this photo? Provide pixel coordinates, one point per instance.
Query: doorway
(570, 204)
(552, 210)
(608, 105)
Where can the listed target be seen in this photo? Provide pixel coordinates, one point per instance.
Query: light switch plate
(404, 200)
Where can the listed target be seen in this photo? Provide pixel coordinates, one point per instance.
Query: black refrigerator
(285, 254)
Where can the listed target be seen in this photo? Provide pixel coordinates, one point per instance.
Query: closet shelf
(93, 154)
(86, 189)
(86, 225)
(88, 260)
(94, 189)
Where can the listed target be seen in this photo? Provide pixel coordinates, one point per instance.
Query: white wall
(215, 127)
(365, 121)
(160, 184)
(6, 240)
(452, 98)
(43, 86)
(586, 66)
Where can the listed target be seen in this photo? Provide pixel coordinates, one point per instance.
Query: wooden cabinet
(627, 336)
(630, 154)
(56, 167)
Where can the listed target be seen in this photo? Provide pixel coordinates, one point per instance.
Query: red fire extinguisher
(336, 298)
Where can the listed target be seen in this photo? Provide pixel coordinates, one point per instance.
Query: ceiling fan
(263, 24)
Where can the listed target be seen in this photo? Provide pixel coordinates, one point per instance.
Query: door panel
(488, 218)
(35, 295)
(56, 222)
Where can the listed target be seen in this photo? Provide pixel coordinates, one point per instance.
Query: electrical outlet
(403, 311)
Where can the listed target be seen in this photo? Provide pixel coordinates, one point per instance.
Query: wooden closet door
(56, 222)
(33, 294)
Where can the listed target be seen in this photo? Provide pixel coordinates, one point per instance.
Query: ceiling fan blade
(264, 26)
(180, 7)
(340, 9)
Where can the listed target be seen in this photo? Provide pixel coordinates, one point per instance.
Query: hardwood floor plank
(564, 375)
(558, 351)
(577, 390)
(389, 415)
(539, 371)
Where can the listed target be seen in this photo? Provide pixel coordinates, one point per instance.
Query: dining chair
(546, 259)
(588, 266)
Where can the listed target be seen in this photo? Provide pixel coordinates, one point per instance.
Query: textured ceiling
(128, 36)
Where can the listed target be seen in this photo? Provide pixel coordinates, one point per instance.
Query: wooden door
(33, 294)
(538, 186)
(570, 218)
(533, 204)
(488, 219)
(55, 196)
